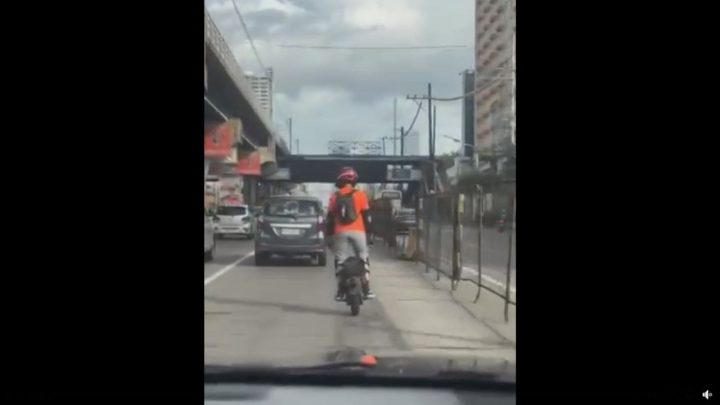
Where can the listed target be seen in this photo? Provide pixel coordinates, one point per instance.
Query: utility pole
(394, 133)
(402, 141)
(434, 122)
(290, 131)
(431, 151)
(297, 146)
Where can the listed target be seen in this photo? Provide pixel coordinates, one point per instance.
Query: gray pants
(350, 244)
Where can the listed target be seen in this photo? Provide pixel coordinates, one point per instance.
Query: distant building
(494, 93)
(468, 114)
(262, 87)
(355, 147)
(412, 144)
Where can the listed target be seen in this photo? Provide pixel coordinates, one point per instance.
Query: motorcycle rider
(348, 222)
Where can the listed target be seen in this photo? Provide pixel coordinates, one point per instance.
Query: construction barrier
(468, 247)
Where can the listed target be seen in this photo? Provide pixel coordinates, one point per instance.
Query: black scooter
(351, 282)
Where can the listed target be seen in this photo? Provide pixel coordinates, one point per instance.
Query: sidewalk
(432, 318)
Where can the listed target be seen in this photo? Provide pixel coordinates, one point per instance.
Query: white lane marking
(484, 276)
(227, 268)
(488, 278)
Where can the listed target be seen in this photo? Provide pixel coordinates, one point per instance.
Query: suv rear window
(232, 211)
(298, 208)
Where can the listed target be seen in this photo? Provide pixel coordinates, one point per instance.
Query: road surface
(286, 311)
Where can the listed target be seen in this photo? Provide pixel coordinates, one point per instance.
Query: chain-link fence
(437, 251)
(471, 237)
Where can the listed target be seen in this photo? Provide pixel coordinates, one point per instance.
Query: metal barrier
(477, 246)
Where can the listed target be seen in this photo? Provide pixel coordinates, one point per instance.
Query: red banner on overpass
(248, 164)
(221, 138)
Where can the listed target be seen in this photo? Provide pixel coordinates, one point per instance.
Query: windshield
(417, 97)
(232, 211)
(292, 207)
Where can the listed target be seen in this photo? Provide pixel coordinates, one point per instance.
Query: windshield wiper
(472, 375)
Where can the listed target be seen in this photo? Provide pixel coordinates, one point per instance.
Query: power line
(247, 32)
(420, 104)
(217, 110)
(414, 118)
(479, 89)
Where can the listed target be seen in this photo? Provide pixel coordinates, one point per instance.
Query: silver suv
(234, 220)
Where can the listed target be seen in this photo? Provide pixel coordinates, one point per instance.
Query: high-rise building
(468, 114)
(262, 87)
(494, 72)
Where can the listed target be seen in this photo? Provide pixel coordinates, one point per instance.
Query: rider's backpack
(345, 208)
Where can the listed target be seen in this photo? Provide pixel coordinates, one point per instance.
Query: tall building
(468, 114)
(494, 72)
(262, 86)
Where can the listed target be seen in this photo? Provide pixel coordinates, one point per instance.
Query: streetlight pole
(431, 152)
(459, 141)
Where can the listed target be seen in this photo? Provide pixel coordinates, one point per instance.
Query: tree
(447, 160)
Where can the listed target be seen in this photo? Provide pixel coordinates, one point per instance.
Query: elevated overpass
(372, 169)
(228, 95)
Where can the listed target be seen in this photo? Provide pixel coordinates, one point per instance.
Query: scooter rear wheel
(354, 302)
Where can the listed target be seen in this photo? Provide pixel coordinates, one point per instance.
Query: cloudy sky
(348, 94)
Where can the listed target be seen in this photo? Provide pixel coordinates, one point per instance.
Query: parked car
(209, 237)
(290, 226)
(234, 220)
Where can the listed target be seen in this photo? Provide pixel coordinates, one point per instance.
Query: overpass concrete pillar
(250, 190)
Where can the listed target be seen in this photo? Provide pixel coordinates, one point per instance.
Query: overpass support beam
(250, 190)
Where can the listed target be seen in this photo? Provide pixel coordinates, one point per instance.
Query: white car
(209, 238)
(234, 220)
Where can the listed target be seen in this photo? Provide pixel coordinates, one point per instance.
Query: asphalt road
(268, 315)
(227, 252)
(273, 313)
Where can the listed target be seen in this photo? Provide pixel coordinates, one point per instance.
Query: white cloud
(284, 6)
(397, 17)
(348, 94)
